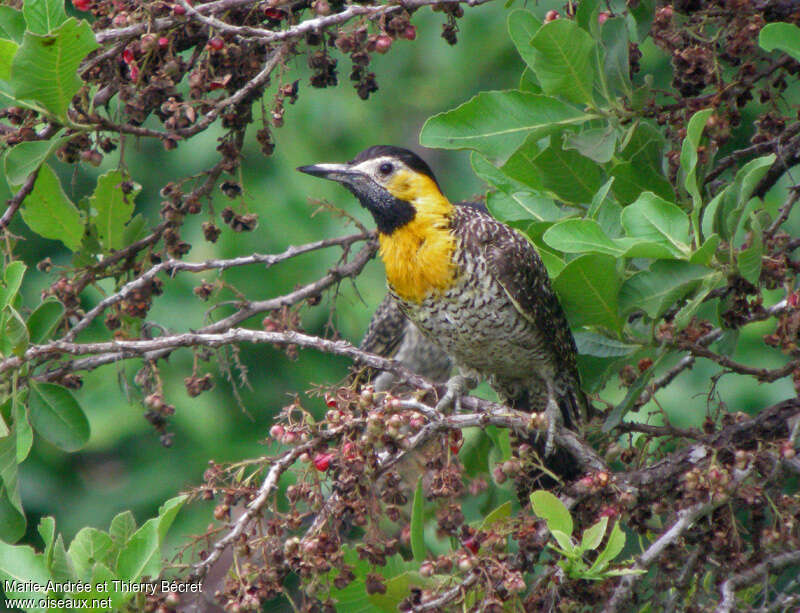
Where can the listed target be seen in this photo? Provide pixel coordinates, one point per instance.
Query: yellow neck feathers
(419, 255)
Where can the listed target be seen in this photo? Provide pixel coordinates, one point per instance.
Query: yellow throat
(419, 255)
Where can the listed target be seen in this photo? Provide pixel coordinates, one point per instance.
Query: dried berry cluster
(347, 505)
(716, 62)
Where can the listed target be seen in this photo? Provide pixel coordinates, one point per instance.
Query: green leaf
(561, 59)
(709, 283)
(706, 252)
(569, 175)
(638, 248)
(89, 547)
(632, 179)
(11, 282)
(45, 67)
(501, 440)
(57, 416)
(44, 319)
(14, 338)
(586, 15)
(22, 428)
(588, 289)
(607, 212)
(418, 523)
(49, 212)
(496, 123)
(781, 36)
(522, 206)
(134, 230)
(616, 66)
(520, 167)
(492, 175)
(593, 536)
(644, 145)
(597, 144)
(26, 157)
(499, 514)
(580, 236)
(616, 414)
(657, 220)
(522, 25)
(20, 563)
(564, 542)
(43, 16)
(8, 49)
(694, 132)
(141, 555)
(748, 261)
(12, 515)
(654, 291)
(121, 529)
(111, 208)
(167, 513)
(47, 530)
(591, 343)
(730, 215)
(615, 544)
(528, 82)
(643, 13)
(552, 510)
(12, 24)
(552, 263)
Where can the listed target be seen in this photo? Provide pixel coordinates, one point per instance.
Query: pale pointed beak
(334, 172)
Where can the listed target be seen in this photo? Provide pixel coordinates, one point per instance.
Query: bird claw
(456, 387)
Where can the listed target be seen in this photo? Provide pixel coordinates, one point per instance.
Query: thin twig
(753, 575)
(173, 266)
(15, 202)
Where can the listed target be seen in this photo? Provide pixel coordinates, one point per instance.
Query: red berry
(134, 72)
(178, 10)
(472, 544)
(603, 16)
(551, 16)
(410, 33)
(274, 14)
(609, 511)
(277, 431)
(456, 441)
(127, 56)
(81, 5)
(322, 461)
(163, 41)
(216, 43)
(330, 400)
(383, 43)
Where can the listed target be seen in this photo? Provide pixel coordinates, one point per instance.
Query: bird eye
(385, 169)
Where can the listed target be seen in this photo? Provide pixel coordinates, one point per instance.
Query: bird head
(393, 184)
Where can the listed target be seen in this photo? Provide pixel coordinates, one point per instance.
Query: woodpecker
(472, 285)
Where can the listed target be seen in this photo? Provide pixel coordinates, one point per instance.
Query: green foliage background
(124, 466)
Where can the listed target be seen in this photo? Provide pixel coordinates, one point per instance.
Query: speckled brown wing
(517, 267)
(385, 330)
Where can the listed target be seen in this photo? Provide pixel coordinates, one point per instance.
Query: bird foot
(456, 386)
(553, 414)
